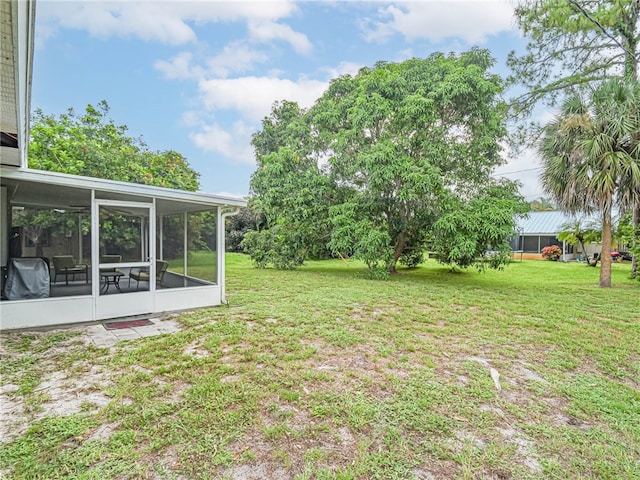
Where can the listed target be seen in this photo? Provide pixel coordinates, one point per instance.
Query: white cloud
(179, 67)
(234, 144)
(146, 20)
(161, 21)
(236, 57)
(545, 116)
(253, 97)
(471, 20)
(343, 68)
(266, 30)
(191, 118)
(525, 168)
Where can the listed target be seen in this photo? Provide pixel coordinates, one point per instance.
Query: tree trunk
(401, 243)
(605, 251)
(634, 259)
(631, 75)
(584, 249)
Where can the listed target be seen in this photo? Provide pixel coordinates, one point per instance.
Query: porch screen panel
(190, 253)
(124, 238)
(546, 241)
(62, 238)
(530, 245)
(202, 247)
(170, 241)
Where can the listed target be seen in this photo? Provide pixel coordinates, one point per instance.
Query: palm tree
(541, 204)
(578, 231)
(591, 157)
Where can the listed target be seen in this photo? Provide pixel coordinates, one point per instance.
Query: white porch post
(151, 244)
(95, 258)
(184, 248)
(80, 238)
(161, 253)
(220, 229)
(220, 253)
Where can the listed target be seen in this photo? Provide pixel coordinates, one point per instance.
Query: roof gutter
(224, 212)
(24, 15)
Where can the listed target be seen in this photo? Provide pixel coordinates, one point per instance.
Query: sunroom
(78, 249)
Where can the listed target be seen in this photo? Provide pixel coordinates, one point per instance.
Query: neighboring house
(541, 229)
(78, 294)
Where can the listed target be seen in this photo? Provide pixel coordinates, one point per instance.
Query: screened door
(123, 258)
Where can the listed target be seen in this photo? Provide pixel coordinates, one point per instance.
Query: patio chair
(66, 265)
(110, 259)
(142, 274)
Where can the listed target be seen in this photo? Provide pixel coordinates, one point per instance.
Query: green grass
(322, 373)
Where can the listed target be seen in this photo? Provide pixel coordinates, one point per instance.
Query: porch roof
(37, 188)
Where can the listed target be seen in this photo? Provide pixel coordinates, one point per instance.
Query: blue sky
(197, 77)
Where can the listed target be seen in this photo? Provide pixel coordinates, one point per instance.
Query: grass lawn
(323, 374)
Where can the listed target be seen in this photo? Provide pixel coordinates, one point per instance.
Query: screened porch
(111, 249)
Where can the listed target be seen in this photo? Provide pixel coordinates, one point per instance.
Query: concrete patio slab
(99, 336)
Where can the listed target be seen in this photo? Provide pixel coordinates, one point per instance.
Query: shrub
(552, 252)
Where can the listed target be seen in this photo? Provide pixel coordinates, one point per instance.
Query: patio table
(110, 278)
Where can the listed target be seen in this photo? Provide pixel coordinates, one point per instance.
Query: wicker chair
(110, 259)
(142, 274)
(66, 265)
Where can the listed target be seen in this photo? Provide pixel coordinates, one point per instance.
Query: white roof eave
(125, 188)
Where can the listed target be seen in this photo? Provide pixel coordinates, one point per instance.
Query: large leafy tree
(590, 154)
(574, 46)
(477, 229)
(91, 144)
(370, 168)
(288, 190)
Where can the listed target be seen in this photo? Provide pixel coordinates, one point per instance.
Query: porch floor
(80, 287)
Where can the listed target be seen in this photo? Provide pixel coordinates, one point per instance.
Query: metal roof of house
(543, 223)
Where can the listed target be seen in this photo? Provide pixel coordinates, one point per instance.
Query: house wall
(45, 312)
(591, 248)
(528, 256)
(538, 256)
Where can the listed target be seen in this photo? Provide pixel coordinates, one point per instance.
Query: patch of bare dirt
(14, 419)
(163, 465)
(60, 394)
(524, 446)
(196, 350)
(256, 471)
(103, 432)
